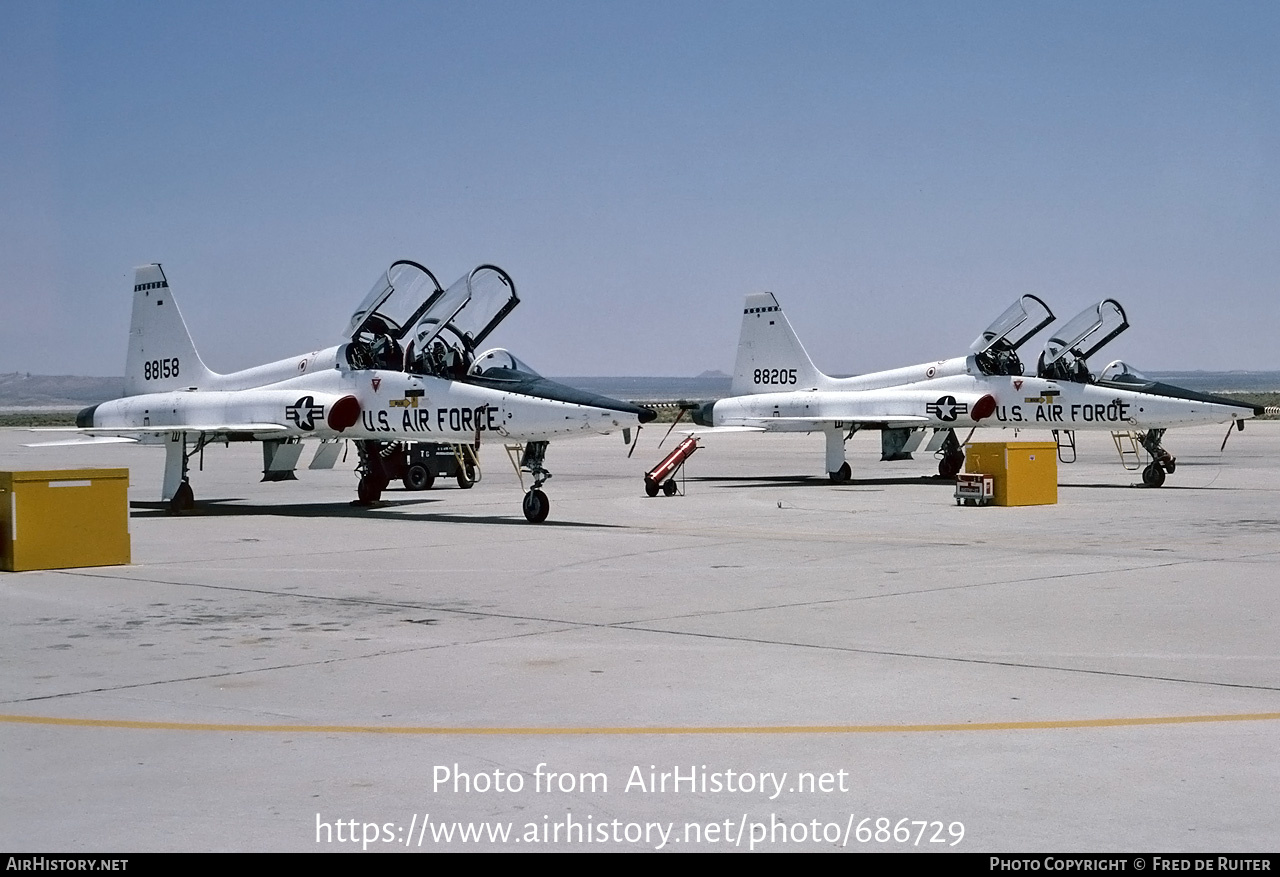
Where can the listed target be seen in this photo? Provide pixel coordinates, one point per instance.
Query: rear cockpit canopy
(996, 349)
(398, 299)
(1068, 348)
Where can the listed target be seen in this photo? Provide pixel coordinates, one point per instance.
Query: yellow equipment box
(64, 518)
(1026, 473)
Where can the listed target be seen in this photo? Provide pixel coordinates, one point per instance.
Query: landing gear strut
(950, 456)
(536, 505)
(176, 466)
(1162, 462)
(837, 467)
(373, 473)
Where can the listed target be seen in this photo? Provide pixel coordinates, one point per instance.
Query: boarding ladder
(1065, 439)
(1129, 446)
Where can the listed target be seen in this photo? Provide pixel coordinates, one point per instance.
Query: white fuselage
(943, 394)
(296, 396)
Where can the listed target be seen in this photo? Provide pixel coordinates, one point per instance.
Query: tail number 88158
(155, 369)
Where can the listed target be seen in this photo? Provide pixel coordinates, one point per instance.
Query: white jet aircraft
(777, 388)
(407, 371)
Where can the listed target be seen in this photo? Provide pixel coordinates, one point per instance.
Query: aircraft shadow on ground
(818, 481)
(383, 511)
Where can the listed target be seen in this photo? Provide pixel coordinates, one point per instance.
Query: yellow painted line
(636, 731)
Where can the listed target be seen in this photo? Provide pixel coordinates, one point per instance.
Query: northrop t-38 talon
(407, 370)
(777, 388)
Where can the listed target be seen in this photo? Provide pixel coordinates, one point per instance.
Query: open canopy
(446, 335)
(398, 299)
(1086, 333)
(469, 309)
(408, 321)
(1022, 319)
(996, 349)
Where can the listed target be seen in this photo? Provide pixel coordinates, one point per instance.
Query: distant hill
(22, 390)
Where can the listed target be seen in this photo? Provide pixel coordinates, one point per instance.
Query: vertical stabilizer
(770, 356)
(161, 356)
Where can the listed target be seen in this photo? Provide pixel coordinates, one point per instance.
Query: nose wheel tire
(536, 506)
(841, 475)
(1153, 475)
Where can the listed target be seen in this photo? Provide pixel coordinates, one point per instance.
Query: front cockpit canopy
(996, 349)
(445, 338)
(1068, 348)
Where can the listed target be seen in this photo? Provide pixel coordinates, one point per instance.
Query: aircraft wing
(115, 435)
(197, 428)
(84, 440)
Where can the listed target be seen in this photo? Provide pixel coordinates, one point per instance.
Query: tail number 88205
(775, 376)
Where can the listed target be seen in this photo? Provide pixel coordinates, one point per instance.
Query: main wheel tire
(536, 506)
(841, 475)
(183, 499)
(467, 477)
(418, 477)
(651, 487)
(1153, 475)
(950, 465)
(369, 490)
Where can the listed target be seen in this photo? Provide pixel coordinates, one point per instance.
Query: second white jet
(777, 388)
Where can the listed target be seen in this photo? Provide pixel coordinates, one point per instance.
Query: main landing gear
(181, 498)
(1162, 462)
(950, 456)
(375, 469)
(837, 467)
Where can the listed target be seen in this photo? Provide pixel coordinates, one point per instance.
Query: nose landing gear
(1162, 462)
(536, 506)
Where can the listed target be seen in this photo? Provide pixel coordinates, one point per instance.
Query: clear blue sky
(896, 173)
